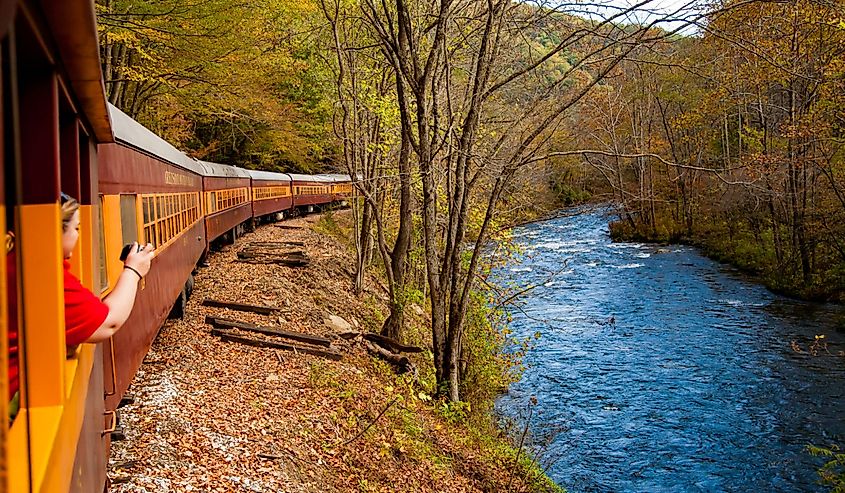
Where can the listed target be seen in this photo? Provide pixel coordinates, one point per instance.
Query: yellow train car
(54, 115)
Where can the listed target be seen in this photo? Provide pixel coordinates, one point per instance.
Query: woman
(87, 319)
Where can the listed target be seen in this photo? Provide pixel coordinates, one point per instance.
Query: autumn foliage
(731, 139)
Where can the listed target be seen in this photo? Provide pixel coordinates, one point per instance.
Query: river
(659, 370)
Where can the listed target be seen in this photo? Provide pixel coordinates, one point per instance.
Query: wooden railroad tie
(385, 342)
(229, 335)
(287, 226)
(243, 307)
(222, 323)
(293, 258)
(273, 244)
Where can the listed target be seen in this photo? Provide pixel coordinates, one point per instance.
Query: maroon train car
(151, 193)
(310, 190)
(272, 195)
(340, 187)
(227, 199)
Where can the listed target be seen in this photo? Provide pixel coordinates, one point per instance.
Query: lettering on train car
(172, 178)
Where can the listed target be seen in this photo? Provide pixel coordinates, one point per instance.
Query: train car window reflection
(264, 193)
(178, 212)
(128, 218)
(146, 206)
(101, 236)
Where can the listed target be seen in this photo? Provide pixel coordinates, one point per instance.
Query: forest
(716, 124)
(732, 141)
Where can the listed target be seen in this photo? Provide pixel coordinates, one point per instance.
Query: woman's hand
(122, 298)
(140, 259)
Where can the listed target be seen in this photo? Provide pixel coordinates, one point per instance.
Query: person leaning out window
(87, 319)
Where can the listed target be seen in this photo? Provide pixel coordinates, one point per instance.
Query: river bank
(745, 251)
(219, 416)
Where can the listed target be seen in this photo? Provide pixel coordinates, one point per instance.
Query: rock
(272, 378)
(417, 309)
(338, 324)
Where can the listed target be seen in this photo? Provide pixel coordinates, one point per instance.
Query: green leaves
(833, 472)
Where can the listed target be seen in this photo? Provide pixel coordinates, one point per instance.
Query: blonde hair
(69, 208)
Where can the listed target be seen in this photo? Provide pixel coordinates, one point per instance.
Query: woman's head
(70, 224)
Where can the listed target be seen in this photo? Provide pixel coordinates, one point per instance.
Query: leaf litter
(214, 416)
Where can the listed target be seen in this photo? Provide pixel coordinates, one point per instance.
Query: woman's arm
(122, 298)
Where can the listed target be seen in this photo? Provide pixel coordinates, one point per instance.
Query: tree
(477, 103)
(367, 120)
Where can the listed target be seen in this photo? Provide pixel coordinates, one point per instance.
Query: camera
(125, 252)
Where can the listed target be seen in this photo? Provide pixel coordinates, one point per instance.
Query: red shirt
(84, 314)
(12, 329)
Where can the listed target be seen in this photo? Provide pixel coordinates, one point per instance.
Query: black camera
(125, 252)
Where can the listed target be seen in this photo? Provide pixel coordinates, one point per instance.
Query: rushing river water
(659, 370)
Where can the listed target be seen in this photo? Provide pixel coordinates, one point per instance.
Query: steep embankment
(220, 416)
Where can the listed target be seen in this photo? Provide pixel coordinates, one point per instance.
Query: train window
(157, 232)
(129, 218)
(149, 218)
(178, 211)
(104, 275)
(146, 206)
(262, 193)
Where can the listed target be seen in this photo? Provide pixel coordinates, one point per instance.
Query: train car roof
(73, 26)
(222, 170)
(133, 134)
(317, 178)
(336, 177)
(268, 175)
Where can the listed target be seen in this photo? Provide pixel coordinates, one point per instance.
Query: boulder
(338, 324)
(417, 309)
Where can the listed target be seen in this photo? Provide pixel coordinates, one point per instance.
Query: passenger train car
(60, 134)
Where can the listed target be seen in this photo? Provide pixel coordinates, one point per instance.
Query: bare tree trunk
(394, 324)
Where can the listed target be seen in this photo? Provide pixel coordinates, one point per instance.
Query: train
(60, 134)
